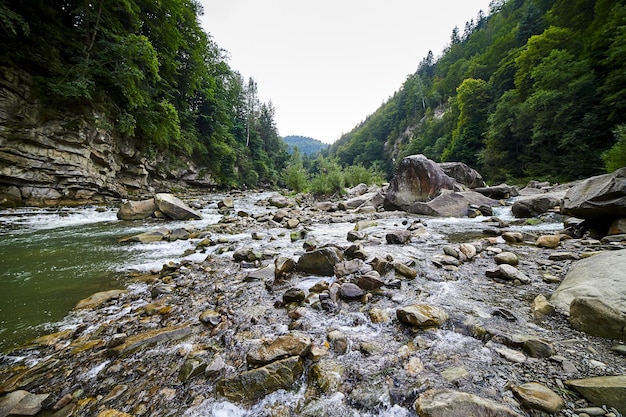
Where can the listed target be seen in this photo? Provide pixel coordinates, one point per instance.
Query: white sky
(328, 64)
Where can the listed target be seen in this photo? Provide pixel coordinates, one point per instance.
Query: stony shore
(307, 309)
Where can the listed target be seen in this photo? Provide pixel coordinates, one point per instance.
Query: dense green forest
(536, 88)
(159, 81)
(307, 146)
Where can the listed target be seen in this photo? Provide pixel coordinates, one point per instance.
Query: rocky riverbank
(315, 308)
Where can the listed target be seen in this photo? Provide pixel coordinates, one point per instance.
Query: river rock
(602, 197)
(463, 174)
(247, 255)
(99, 298)
(252, 385)
(541, 307)
(452, 204)
(602, 390)
(533, 206)
(21, 403)
(174, 208)
(325, 376)
(278, 201)
(137, 210)
(147, 237)
(513, 237)
(498, 192)
(291, 344)
(548, 241)
(398, 237)
(506, 258)
(538, 348)
(538, 397)
(294, 295)
(226, 203)
(113, 413)
(370, 281)
(320, 261)
(508, 273)
(210, 317)
(345, 268)
(422, 315)
(417, 179)
(283, 266)
(593, 316)
(191, 368)
(450, 403)
(405, 270)
(601, 277)
(350, 291)
(338, 341)
(150, 337)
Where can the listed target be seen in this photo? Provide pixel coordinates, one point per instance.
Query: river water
(52, 258)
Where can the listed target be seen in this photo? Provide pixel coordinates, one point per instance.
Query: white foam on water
(93, 372)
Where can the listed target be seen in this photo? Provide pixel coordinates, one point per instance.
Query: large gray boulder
(452, 204)
(602, 197)
(174, 208)
(417, 179)
(137, 210)
(463, 174)
(534, 205)
(593, 291)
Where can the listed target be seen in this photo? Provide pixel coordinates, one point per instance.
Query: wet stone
(398, 237)
(507, 258)
(548, 241)
(350, 291)
(294, 295)
(539, 397)
(422, 315)
(370, 281)
(404, 270)
(292, 344)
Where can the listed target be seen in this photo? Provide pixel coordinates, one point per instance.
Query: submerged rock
(320, 261)
(99, 298)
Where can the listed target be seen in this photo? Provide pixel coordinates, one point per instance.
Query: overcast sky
(328, 64)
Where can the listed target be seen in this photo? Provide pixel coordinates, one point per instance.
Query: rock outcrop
(70, 159)
(463, 174)
(598, 198)
(593, 291)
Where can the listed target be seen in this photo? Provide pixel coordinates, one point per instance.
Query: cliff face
(68, 159)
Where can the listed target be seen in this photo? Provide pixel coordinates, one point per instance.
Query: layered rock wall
(49, 157)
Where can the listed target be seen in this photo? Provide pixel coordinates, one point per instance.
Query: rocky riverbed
(302, 308)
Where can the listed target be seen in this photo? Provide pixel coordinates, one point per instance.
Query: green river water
(50, 259)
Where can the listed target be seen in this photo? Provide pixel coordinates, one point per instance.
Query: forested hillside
(153, 77)
(536, 88)
(307, 146)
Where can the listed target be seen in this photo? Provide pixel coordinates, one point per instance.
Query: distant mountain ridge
(306, 146)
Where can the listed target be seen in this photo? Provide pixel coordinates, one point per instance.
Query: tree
(474, 98)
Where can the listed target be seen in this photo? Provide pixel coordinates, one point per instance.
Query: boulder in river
(601, 277)
(251, 386)
(99, 298)
(137, 210)
(174, 208)
(417, 179)
(602, 390)
(597, 198)
(534, 205)
(422, 315)
(452, 204)
(291, 344)
(463, 174)
(320, 261)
